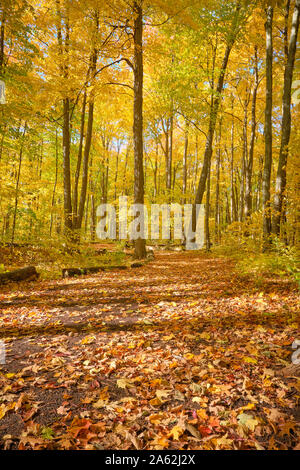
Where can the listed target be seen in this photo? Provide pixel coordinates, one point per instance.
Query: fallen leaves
(160, 359)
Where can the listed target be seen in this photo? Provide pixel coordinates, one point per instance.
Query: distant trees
(159, 102)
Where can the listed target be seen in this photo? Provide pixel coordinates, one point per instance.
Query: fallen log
(72, 272)
(28, 273)
(136, 265)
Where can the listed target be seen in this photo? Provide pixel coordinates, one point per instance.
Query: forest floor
(182, 353)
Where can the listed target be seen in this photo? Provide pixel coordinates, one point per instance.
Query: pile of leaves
(181, 353)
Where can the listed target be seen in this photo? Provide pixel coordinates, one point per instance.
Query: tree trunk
(279, 199)
(249, 163)
(184, 163)
(63, 50)
(170, 156)
(79, 160)
(17, 187)
(66, 167)
(89, 132)
(2, 40)
(268, 130)
(233, 209)
(207, 211)
(117, 168)
(217, 206)
(214, 114)
(139, 244)
(55, 181)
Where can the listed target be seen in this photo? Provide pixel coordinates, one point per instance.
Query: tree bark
(217, 206)
(140, 243)
(207, 211)
(55, 181)
(184, 163)
(214, 114)
(66, 167)
(249, 163)
(268, 129)
(279, 200)
(89, 132)
(17, 187)
(63, 50)
(79, 160)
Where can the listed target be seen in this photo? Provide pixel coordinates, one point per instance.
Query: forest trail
(179, 353)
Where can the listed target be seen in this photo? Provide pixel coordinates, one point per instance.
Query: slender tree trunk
(214, 114)
(207, 211)
(89, 132)
(167, 152)
(79, 161)
(170, 156)
(117, 169)
(233, 208)
(268, 129)
(244, 160)
(85, 164)
(2, 39)
(155, 173)
(17, 187)
(140, 244)
(63, 51)
(195, 173)
(184, 163)
(217, 207)
(55, 181)
(125, 169)
(210, 135)
(66, 167)
(249, 163)
(279, 200)
(93, 218)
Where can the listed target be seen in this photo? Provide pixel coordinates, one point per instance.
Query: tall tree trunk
(279, 200)
(170, 156)
(167, 151)
(17, 187)
(233, 208)
(66, 167)
(217, 206)
(2, 40)
(89, 131)
(184, 163)
(139, 244)
(207, 211)
(268, 129)
(249, 163)
(214, 114)
(55, 181)
(79, 161)
(63, 51)
(124, 191)
(244, 160)
(117, 168)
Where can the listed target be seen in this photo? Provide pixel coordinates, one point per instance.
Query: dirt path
(181, 353)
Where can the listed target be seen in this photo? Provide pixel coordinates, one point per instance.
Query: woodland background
(189, 102)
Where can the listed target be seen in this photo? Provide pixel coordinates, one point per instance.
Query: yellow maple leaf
(176, 432)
